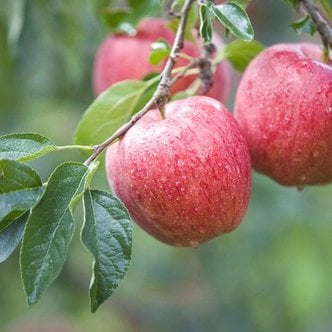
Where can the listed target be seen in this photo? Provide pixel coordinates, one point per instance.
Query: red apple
(284, 108)
(186, 178)
(122, 57)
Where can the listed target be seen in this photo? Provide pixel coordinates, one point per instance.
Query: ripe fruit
(284, 108)
(122, 57)
(186, 178)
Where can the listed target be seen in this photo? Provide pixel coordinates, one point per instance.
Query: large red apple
(122, 57)
(186, 178)
(284, 108)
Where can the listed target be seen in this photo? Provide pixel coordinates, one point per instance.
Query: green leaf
(160, 51)
(11, 237)
(49, 230)
(24, 146)
(235, 19)
(327, 7)
(305, 25)
(113, 108)
(242, 3)
(107, 234)
(191, 21)
(293, 3)
(206, 24)
(84, 184)
(124, 16)
(240, 53)
(20, 189)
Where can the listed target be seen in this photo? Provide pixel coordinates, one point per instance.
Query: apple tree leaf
(293, 3)
(241, 53)
(304, 25)
(242, 3)
(124, 16)
(20, 190)
(49, 230)
(107, 234)
(113, 108)
(327, 7)
(12, 236)
(205, 16)
(24, 146)
(235, 19)
(160, 50)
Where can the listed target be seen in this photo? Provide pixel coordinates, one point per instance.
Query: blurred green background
(272, 274)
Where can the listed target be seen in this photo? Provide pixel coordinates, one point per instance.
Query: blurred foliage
(272, 274)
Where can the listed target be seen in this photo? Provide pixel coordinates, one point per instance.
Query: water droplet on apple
(315, 154)
(303, 178)
(180, 162)
(329, 110)
(194, 243)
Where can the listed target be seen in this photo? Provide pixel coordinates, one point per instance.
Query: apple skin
(186, 178)
(122, 57)
(284, 108)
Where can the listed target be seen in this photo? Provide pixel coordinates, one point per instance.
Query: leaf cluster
(40, 216)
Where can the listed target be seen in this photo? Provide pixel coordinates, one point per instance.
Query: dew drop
(163, 179)
(315, 154)
(194, 244)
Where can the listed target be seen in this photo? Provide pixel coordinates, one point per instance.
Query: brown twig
(323, 26)
(205, 66)
(192, 64)
(161, 95)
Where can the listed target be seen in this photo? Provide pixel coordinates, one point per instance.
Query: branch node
(161, 96)
(323, 26)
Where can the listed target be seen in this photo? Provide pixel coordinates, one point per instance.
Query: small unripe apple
(185, 178)
(284, 108)
(122, 57)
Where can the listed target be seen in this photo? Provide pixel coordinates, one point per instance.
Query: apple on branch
(185, 178)
(284, 108)
(122, 57)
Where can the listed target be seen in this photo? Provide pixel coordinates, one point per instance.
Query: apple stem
(323, 26)
(161, 95)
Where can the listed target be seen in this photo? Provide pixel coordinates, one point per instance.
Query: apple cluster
(186, 178)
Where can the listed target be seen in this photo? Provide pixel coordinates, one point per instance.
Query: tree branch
(323, 26)
(161, 95)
